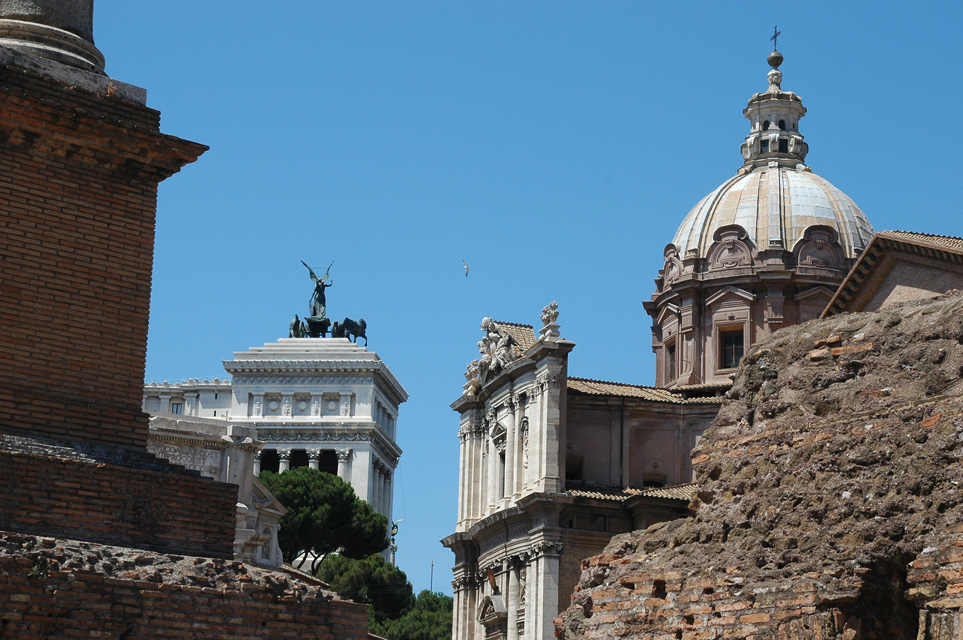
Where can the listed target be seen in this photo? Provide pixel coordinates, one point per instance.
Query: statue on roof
(317, 303)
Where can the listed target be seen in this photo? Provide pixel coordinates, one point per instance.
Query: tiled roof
(522, 334)
(682, 492)
(949, 248)
(602, 388)
(947, 242)
(704, 385)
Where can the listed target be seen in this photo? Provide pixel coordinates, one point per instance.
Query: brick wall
(49, 589)
(119, 496)
(78, 186)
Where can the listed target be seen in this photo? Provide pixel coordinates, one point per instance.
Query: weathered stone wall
(64, 589)
(829, 500)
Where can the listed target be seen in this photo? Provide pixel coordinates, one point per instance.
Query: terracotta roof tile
(603, 388)
(522, 334)
(947, 242)
(683, 492)
(704, 385)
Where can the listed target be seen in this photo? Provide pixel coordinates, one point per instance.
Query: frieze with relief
(206, 461)
(730, 249)
(304, 380)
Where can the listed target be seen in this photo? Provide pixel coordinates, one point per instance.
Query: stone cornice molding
(275, 371)
(285, 434)
(191, 442)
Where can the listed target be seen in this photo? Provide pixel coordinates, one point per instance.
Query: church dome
(775, 206)
(765, 250)
(775, 197)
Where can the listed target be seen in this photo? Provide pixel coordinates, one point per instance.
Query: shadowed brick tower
(89, 520)
(81, 159)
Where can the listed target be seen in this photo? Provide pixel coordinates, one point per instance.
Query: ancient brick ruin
(98, 538)
(828, 502)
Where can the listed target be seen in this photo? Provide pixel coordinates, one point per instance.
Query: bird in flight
(466, 268)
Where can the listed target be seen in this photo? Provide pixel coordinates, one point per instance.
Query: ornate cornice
(276, 435)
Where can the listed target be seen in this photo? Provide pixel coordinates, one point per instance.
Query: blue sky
(555, 146)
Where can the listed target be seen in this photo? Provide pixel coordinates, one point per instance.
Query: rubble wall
(64, 589)
(829, 502)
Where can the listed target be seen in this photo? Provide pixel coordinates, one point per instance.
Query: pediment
(816, 293)
(665, 311)
(492, 611)
(729, 292)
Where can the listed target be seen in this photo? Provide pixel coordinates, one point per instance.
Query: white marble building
(325, 403)
(225, 452)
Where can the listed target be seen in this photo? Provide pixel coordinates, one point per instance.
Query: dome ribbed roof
(774, 197)
(775, 205)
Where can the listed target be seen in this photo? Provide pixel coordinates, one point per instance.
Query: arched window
(782, 125)
(765, 125)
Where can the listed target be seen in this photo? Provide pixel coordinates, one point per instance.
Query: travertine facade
(320, 402)
(226, 452)
(551, 467)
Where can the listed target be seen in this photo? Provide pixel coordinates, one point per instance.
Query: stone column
(387, 495)
(376, 485)
(313, 455)
(511, 603)
(257, 463)
(492, 470)
(546, 568)
(56, 29)
(463, 475)
(510, 437)
(343, 455)
(285, 460)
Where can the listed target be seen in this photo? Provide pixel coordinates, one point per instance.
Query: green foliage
(324, 516)
(373, 581)
(429, 619)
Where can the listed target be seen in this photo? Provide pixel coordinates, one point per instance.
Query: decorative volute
(774, 124)
(60, 30)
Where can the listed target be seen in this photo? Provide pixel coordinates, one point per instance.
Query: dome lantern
(774, 118)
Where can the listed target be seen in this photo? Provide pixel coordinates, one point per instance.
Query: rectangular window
(730, 348)
(764, 146)
(670, 362)
(177, 408)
